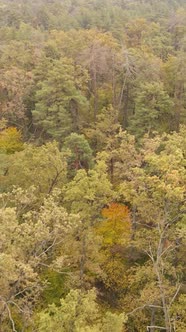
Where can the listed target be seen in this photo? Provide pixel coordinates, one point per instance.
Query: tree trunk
(152, 322)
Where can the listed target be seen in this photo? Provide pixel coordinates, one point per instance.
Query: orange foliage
(116, 228)
(116, 211)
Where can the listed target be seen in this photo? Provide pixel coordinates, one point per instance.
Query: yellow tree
(10, 140)
(115, 230)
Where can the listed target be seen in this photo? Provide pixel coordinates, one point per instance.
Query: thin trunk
(125, 108)
(152, 322)
(163, 299)
(113, 84)
(121, 93)
(82, 261)
(158, 268)
(178, 107)
(112, 170)
(1, 316)
(95, 92)
(134, 209)
(74, 115)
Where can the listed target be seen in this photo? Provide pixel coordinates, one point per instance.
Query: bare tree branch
(176, 293)
(155, 327)
(145, 306)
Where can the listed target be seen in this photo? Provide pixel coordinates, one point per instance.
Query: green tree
(81, 153)
(153, 110)
(86, 195)
(174, 77)
(59, 101)
(44, 167)
(102, 133)
(80, 312)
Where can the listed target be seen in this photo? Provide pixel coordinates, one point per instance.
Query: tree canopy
(92, 165)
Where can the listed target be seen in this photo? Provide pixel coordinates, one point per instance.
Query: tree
(121, 156)
(177, 29)
(159, 185)
(97, 53)
(102, 133)
(153, 110)
(116, 225)
(10, 140)
(88, 192)
(115, 231)
(59, 101)
(15, 87)
(80, 312)
(81, 153)
(174, 78)
(29, 240)
(44, 167)
(86, 195)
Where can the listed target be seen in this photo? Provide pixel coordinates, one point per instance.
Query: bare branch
(163, 252)
(55, 270)
(16, 305)
(24, 290)
(46, 250)
(155, 327)
(176, 293)
(9, 315)
(145, 306)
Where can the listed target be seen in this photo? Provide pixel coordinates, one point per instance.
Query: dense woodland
(92, 165)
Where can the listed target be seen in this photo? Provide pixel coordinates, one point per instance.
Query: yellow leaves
(117, 226)
(10, 140)
(115, 231)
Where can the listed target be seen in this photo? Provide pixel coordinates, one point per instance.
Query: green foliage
(102, 134)
(80, 153)
(89, 191)
(153, 110)
(44, 167)
(80, 312)
(110, 74)
(54, 288)
(59, 100)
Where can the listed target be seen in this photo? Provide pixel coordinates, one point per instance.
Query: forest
(92, 165)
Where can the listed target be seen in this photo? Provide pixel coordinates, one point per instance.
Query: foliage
(28, 240)
(116, 228)
(81, 153)
(44, 167)
(160, 186)
(59, 100)
(152, 104)
(92, 165)
(115, 231)
(10, 140)
(80, 312)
